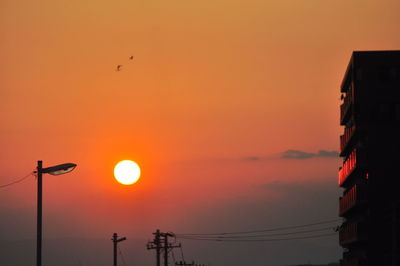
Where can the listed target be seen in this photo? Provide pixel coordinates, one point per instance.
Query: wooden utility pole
(115, 241)
(39, 215)
(159, 243)
(183, 263)
(166, 249)
(158, 247)
(156, 244)
(168, 246)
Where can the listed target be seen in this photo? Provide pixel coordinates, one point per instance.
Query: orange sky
(212, 83)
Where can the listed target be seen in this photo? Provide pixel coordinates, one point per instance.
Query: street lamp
(52, 170)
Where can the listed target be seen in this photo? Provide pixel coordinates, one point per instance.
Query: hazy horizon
(230, 108)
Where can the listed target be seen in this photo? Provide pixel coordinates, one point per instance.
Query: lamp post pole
(53, 170)
(39, 216)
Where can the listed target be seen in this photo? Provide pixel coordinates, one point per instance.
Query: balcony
(351, 233)
(346, 106)
(353, 164)
(356, 196)
(353, 262)
(345, 139)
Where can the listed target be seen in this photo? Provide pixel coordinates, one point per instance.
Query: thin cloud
(254, 158)
(296, 154)
(302, 155)
(293, 154)
(331, 154)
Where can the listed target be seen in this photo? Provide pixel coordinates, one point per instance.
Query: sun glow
(127, 172)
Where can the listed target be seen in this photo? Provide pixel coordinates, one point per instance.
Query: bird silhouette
(131, 57)
(119, 67)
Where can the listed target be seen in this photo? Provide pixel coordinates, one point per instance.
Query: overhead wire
(183, 258)
(256, 240)
(122, 256)
(263, 235)
(173, 256)
(17, 181)
(279, 234)
(261, 230)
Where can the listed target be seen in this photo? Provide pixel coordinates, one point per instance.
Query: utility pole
(161, 242)
(166, 249)
(168, 246)
(183, 263)
(39, 215)
(115, 241)
(156, 244)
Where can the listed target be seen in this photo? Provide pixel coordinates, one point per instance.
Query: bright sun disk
(127, 172)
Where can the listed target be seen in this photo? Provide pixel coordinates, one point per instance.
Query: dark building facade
(370, 147)
(329, 264)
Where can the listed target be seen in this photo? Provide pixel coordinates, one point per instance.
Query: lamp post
(52, 170)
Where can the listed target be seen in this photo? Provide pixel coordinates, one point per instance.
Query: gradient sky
(217, 92)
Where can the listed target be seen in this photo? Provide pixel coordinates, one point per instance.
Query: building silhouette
(370, 147)
(329, 264)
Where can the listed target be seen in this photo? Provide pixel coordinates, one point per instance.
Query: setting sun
(127, 172)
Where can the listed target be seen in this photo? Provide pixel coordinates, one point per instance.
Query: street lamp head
(59, 169)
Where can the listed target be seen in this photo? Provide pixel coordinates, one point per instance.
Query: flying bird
(131, 57)
(119, 67)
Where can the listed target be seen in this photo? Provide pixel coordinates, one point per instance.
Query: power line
(17, 181)
(183, 258)
(256, 240)
(262, 230)
(122, 256)
(173, 256)
(262, 235)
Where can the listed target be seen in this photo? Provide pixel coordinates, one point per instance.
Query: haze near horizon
(230, 108)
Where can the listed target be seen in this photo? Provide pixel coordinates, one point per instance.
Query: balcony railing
(353, 162)
(346, 137)
(353, 262)
(346, 106)
(351, 233)
(356, 196)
